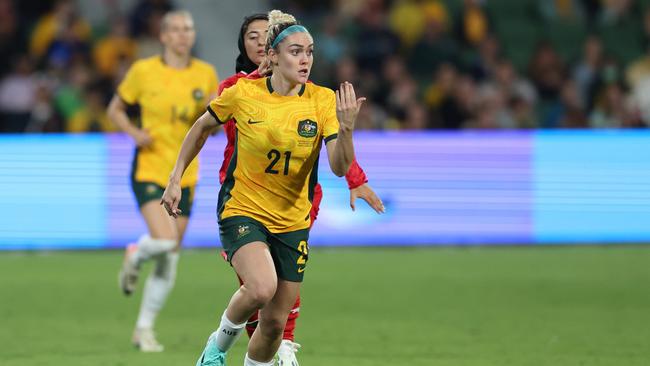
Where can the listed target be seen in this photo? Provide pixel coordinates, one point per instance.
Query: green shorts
(147, 191)
(289, 250)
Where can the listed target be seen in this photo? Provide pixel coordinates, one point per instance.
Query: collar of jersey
(162, 61)
(270, 87)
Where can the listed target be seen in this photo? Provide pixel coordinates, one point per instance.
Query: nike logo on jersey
(251, 122)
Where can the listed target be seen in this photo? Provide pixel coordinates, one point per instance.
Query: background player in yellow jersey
(264, 202)
(171, 90)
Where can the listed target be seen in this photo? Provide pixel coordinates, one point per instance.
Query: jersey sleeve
(330, 122)
(222, 107)
(227, 83)
(129, 89)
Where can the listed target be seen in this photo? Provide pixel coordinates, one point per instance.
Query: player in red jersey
(251, 63)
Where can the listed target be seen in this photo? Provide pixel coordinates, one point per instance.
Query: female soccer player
(264, 203)
(251, 63)
(171, 91)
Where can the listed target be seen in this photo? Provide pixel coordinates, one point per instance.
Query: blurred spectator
(511, 84)
(459, 109)
(373, 117)
(69, 98)
(492, 111)
(346, 71)
(43, 116)
(393, 72)
(142, 13)
(12, 41)
(615, 11)
(400, 97)
(147, 43)
(421, 63)
(17, 95)
(59, 34)
(522, 112)
(331, 47)
(546, 70)
(434, 48)
(473, 26)
(483, 64)
(91, 117)
(566, 10)
(375, 41)
(586, 71)
(442, 86)
(570, 113)
(611, 110)
(116, 51)
(416, 117)
(638, 76)
(406, 19)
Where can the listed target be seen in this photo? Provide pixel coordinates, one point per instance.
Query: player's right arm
(117, 115)
(129, 91)
(220, 110)
(192, 145)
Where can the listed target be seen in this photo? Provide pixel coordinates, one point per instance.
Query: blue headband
(289, 30)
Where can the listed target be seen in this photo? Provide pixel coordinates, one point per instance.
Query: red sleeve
(355, 176)
(227, 83)
(229, 128)
(254, 75)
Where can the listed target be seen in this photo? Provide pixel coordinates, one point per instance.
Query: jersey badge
(307, 128)
(197, 94)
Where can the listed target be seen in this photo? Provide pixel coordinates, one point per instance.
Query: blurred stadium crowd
(424, 64)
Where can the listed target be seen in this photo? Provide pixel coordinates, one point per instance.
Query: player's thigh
(159, 223)
(254, 265)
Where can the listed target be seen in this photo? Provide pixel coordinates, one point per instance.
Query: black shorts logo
(307, 128)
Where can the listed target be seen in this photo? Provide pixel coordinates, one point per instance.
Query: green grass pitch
(363, 306)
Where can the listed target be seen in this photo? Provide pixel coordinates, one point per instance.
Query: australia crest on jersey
(197, 94)
(307, 128)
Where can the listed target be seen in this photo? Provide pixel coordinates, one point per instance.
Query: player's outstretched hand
(347, 106)
(171, 198)
(367, 194)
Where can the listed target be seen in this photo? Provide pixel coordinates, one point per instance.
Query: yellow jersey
(274, 167)
(170, 101)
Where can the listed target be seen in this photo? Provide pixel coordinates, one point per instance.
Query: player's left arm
(359, 188)
(340, 149)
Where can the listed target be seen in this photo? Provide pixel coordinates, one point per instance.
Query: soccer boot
(145, 340)
(287, 353)
(211, 355)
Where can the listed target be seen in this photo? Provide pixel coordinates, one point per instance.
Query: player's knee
(272, 327)
(260, 292)
(166, 245)
(157, 245)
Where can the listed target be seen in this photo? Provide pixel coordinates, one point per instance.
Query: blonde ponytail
(277, 17)
(278, 21)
